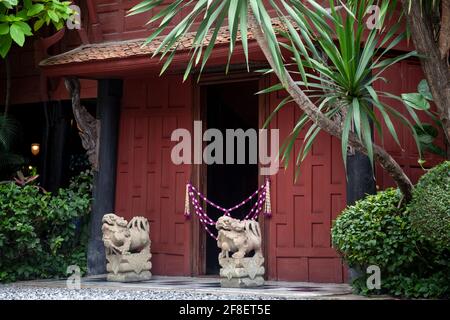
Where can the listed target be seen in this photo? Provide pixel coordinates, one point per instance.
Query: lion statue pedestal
(127, 248)
(240, 238)
(242, 273)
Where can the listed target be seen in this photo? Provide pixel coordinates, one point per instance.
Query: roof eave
(142, 64)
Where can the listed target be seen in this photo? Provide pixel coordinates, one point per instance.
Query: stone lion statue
(122, 237)
(240, 237)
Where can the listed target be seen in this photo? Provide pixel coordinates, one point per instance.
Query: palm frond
(10, 161)
(330, 48)
(9, 128)
(350, 61)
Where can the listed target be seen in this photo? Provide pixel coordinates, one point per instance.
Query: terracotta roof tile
(130, 48)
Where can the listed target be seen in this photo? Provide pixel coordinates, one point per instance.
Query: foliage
(9, 161)
(78, 163)
(429, 26)
(430, 206)
(82, 183)
(344, 73)
(427, 133)
(19, 18)
(43, 233)
(344, 70)
(23, 180)
(376, 232)
(366, 232)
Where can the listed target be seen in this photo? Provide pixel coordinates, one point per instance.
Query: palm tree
(331, 41)
(9, 161)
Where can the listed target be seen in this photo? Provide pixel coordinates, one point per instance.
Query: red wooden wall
(148, 184)
(298, 235)
(116, 25)
(299, 230)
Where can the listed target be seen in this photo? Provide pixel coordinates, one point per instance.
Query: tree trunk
(434, 66)
(88, 126)
(444, 33)
(386, 161)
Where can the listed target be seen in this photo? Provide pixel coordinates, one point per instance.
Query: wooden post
(108, 111)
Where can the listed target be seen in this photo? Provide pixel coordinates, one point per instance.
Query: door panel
(303, 209)
(148, 183)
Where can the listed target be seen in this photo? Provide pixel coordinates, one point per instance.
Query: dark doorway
(230, 106)
(61, 154)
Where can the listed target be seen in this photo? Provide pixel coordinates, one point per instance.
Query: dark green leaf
(4, 29)
(5, 45)
(424, 90)
(35, 9)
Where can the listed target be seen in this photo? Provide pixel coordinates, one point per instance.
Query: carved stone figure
(238, 236)
(127, 247)
(241, 238)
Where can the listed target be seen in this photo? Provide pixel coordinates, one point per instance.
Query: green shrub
(369, 232)
(430, 206)
(376, 232)
(43, 233)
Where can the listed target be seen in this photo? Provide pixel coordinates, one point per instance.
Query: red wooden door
(299, 239)
(148, 183)
(404, 78)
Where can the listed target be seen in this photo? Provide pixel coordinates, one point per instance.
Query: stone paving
(170, 288)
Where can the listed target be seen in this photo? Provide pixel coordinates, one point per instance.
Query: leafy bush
(369, 232)
(430, 207)
(376, 232)
(43, 233)
(20, 18)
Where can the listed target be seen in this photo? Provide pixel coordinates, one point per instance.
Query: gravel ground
(16, 292)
